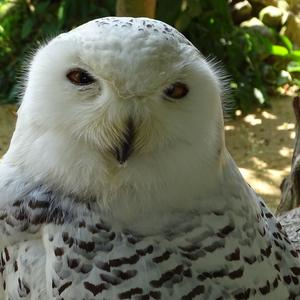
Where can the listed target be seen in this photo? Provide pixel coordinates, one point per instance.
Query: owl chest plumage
(74, 254)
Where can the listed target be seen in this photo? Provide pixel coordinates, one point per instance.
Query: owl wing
(22, 222)
(291, 223)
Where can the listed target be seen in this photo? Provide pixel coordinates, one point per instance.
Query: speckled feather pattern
(88, 256)
(290, 221)
(176, 221)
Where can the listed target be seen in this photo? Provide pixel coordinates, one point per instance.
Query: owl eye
(176, 90)
(80, 77)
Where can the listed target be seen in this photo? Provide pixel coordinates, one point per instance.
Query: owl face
(119, 104)
(126, 87)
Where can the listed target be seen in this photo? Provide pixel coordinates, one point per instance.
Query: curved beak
(124, 150)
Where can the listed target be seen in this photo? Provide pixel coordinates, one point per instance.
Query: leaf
(293, 66)
(295, 55)
(279, 50)
(27, 28)
(286, 41)
(61, 13)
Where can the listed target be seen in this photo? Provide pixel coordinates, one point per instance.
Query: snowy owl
(118, 185)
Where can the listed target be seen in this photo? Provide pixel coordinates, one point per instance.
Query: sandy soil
(261, 144)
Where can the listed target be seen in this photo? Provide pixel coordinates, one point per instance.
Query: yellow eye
(176, 90)
(80, 77)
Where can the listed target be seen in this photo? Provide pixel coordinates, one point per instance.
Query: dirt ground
(261, 144)
(7, 125)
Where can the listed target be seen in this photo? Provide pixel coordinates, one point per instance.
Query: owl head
(119, 103)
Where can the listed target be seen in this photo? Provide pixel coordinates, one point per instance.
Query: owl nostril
(126, 148)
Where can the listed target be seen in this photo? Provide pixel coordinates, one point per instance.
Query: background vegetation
(258, 63)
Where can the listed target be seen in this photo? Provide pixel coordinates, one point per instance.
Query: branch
(290, 187)
(136, 8)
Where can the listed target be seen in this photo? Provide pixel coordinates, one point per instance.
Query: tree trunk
(136, 8)
(290, 186)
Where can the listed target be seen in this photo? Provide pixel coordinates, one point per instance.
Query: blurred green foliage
(25, 24)
(256, 64)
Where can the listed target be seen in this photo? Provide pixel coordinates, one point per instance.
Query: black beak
(126, 148)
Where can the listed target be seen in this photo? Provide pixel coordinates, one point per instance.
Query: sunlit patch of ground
(260, 143)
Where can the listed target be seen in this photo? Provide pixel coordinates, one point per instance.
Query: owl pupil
(84, 78)
(176, 90)
(80, 77)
